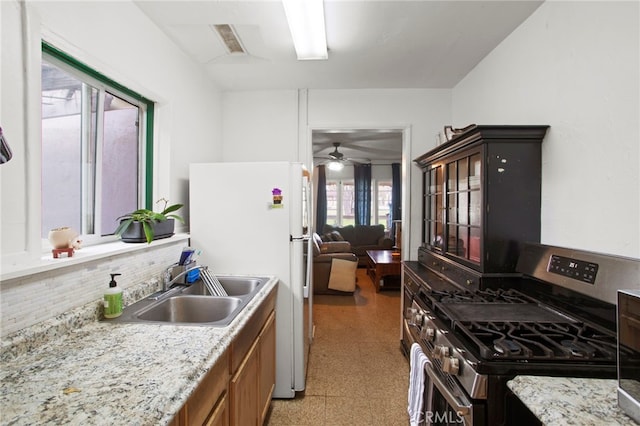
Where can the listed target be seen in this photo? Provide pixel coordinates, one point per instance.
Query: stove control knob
(451, 365)
(429, 334)
(409, 312)
(440, 352)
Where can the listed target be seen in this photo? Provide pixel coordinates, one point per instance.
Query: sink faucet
(167, 280)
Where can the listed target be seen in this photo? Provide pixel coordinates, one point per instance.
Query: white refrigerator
(243, 226)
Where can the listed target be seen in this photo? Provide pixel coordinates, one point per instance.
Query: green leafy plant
(148, 218)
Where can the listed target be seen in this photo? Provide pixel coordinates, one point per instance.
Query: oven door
(447, 403)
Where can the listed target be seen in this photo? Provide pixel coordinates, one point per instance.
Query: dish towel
(417, 361)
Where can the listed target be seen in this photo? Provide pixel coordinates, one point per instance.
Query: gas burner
(541, 341)
(579, 349)
(506, 346)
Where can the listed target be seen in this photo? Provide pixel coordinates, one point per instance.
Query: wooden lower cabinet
(220, 415)
(267, 356)
(244, 392)
(237, 390)
(208, 403)
(252, 385)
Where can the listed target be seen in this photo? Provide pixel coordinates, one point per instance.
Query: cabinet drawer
(241, 344)
(212, 387)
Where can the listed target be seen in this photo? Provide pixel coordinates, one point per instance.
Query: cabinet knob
(469, 282)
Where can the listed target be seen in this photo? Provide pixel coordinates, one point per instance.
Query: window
(381, 211)
(341, 203)
(96, 147)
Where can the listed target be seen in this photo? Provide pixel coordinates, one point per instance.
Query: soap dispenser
(113, 299)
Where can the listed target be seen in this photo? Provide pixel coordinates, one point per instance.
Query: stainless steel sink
(234, 286)
(195, 309)
(193, 305)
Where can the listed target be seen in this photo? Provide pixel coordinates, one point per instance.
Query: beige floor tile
(357, 374)
(308, 410)
(348, 411)
(389, 412)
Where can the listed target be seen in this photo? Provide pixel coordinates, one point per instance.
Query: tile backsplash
(32, 299)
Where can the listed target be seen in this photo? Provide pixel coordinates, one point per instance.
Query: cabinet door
(267, 342)
(464, 207)
(244, 392)
(208, 395)
(433, 208)
(220, 414)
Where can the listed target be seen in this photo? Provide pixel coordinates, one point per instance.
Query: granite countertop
(570, 400)
(108, 373)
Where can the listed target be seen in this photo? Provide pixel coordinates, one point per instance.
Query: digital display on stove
(573, 268)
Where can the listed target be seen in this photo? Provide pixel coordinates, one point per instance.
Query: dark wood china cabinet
(481, 199)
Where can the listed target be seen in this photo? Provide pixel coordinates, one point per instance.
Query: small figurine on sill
(64, 240)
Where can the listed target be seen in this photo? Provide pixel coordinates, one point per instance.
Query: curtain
(321, 202)
(396, 196)
(362, 188)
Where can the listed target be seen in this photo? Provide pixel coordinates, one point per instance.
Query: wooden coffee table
(381, 263)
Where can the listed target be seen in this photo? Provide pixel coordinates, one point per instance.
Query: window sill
(86, 254)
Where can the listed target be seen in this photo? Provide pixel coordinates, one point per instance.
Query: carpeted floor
(357, 374)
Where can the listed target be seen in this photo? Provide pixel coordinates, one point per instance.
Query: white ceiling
(372, 44)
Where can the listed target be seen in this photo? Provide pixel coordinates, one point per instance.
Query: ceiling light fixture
(306, 23)
(336, 166)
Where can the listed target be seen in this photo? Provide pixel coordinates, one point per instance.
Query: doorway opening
(340, 150)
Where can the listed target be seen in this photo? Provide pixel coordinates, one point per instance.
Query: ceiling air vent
(230, 38)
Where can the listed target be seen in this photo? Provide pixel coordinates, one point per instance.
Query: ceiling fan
(336, 159)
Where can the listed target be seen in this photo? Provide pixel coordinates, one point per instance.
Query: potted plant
(146, 225)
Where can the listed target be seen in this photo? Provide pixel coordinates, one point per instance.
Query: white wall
(422, 111)
(260, 126)
(118, 40)
(575, 66)
(277, 126)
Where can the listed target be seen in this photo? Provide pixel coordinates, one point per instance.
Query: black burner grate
(539, 341)
(505, 324)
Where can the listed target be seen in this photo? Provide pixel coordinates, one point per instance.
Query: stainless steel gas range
(557, 318)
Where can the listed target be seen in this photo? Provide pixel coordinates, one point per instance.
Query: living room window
(381, 209)
(340, 202)
(96, 147)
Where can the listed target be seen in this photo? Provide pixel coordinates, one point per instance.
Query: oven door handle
(464, 411)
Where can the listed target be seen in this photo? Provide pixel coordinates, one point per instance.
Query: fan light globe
(336, 166)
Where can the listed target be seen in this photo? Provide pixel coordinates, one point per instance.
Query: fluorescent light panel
(306, 23)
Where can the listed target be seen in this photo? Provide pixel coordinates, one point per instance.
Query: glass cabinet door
(434, 208)
(464, 200)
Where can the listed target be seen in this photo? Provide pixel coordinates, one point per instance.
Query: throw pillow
(335, 236)
(343, 275)
(316, 244)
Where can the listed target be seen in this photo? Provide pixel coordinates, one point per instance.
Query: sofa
(324, 254)
(361, 238)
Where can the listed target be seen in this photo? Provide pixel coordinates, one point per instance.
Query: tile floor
(357, 374)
